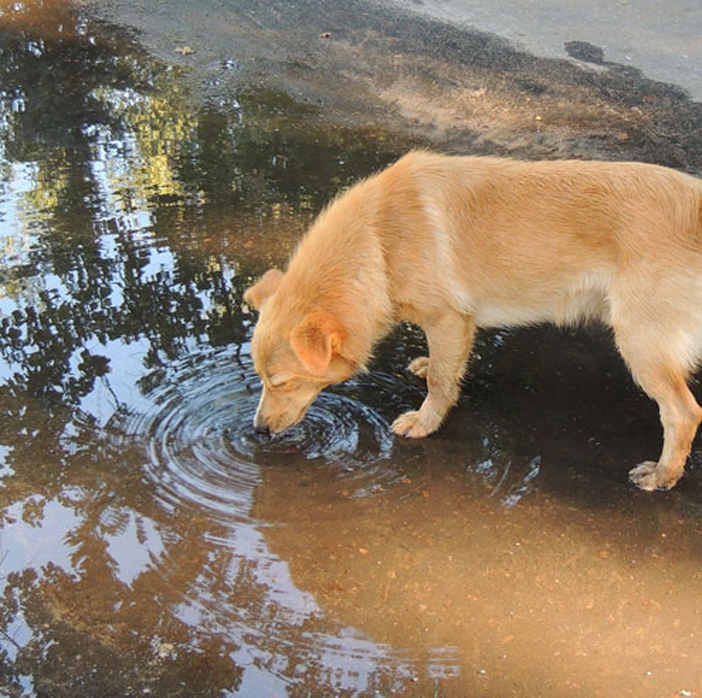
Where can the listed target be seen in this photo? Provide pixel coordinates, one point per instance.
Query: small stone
(166, 650)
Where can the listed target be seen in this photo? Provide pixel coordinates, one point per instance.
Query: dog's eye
(280, 381)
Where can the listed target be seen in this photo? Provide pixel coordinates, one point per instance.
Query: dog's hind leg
(450, 340)
(664, 378)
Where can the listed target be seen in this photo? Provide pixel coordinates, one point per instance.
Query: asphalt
(660, 39)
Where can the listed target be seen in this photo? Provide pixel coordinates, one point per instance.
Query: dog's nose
(262, 429)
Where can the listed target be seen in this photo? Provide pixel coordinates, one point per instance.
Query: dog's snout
(260, 425)
(262, 429)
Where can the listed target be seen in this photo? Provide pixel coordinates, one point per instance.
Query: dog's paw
(420, 366)
(411, 425)
(648, 476)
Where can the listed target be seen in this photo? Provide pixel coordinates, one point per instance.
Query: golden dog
(456, 243)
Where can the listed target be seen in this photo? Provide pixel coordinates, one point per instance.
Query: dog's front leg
(450, 339)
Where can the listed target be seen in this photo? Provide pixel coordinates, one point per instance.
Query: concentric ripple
(203, 452)
(336, 428)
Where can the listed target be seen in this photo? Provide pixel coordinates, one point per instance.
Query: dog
(455, 243)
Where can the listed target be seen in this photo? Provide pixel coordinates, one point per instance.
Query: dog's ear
(315, 341)
(263, 289)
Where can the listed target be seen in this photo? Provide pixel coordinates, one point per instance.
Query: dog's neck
(339, 268)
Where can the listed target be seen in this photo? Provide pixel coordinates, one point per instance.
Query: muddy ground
(460, 88)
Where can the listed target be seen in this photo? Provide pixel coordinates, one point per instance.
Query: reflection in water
(131, 562)
(128, 475)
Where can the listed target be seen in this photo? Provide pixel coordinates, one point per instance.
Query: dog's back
(517, 242)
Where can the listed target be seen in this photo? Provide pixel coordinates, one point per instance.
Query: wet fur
(457, 243)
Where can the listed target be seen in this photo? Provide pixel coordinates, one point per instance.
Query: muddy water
(152, 544)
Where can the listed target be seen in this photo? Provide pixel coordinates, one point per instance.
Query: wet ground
(154, 158)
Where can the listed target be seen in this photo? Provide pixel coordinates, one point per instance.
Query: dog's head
(296, 354)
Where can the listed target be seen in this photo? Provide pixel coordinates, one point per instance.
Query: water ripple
(203, 452)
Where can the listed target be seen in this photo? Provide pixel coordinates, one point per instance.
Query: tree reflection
(123, 208)
(121, 166)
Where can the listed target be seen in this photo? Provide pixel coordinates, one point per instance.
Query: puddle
(153, 544)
